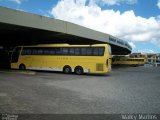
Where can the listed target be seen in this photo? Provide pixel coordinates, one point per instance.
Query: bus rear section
(63, 57)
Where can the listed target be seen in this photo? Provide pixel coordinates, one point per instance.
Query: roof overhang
(19, 27)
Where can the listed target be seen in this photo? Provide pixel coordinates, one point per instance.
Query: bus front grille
(99, 67)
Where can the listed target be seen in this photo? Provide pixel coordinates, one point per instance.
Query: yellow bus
(80, 59)
(129, 61)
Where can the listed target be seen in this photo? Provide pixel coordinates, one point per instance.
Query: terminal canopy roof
(21, 28)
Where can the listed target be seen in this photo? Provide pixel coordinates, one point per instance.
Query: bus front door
(15, 55)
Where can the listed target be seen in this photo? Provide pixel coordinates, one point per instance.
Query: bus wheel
(67, 69)
(22, 67)
(78, 70)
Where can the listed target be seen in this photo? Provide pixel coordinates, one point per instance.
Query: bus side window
(95, 51)
(46, 51)
(83, 51)
(34, 51)
(15, 55)
(77, 51)
(89, 51)
(26, 51)
(101, 51)
(40, 51)
(71, 51)
(52, 51)
(64, 51)
(58, 51)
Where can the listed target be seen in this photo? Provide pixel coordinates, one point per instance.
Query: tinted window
(89, 51)
(40, 51)
(77, 51)
(64, 51)
(101, 51)
(95, 51)
(34, 51)
(52, 51)
(46, 51)
(71, 51)
(83, 51)
(58, 51)
(26, 51)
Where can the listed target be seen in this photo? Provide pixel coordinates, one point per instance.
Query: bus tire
(67, 69)
(22, 67)
(78, 70)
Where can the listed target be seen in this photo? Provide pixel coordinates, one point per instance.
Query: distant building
(153, 58)
(158, 58)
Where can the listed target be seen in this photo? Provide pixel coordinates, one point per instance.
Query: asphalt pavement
(128, 90)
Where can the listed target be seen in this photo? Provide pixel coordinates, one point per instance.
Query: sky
(135, 21)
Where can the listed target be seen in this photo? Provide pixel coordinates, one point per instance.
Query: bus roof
(62, 45)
